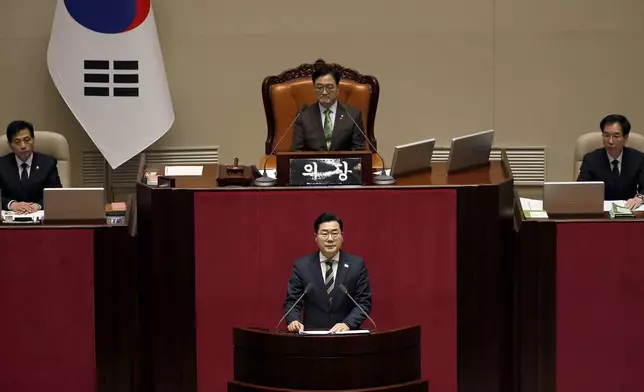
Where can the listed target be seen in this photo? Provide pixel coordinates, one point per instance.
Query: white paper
(303, 332)
(354, 332)
(8, 216)
(537, 205)
(608, 205)
(349, 332)
(531, 204)
(183, 170)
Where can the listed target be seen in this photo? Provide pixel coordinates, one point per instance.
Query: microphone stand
(383, 178)
(265, 180)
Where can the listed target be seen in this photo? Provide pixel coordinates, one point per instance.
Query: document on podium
(349, 332)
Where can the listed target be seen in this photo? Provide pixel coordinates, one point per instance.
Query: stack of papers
(349, 332)
(531, 204)
(533, 208)
(608, 205)
(618, 211)
(11, 217)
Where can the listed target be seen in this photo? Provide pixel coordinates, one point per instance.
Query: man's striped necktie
(329, 282)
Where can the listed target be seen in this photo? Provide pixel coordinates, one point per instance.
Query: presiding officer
(326, 125)
(620, 168)
(24, 173)
(325, 306)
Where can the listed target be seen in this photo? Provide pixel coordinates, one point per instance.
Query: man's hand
(23, 208)
(633, 203)
(295, 326)
(339, 327)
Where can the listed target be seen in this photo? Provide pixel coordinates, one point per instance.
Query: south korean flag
(105, 59)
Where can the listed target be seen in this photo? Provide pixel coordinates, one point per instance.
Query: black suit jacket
(43, 174)
(308, 134)
(318, 313)
(596, 167)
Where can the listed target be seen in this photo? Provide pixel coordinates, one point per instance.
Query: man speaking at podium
(325, 305)
(328, 125)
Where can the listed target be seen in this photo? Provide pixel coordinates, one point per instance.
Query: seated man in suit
(24, 174)
(327, 125)
(325, 305)
(619, 167)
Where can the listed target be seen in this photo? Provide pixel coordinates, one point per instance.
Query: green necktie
(328, 128)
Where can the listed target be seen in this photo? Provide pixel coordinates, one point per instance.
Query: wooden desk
(68, 302)
(438, 250)
(579, 304)
(494, 175)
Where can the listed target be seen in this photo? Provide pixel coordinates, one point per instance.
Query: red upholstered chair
(285, 93)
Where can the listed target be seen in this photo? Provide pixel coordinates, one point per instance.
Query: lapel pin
(37, 167)
(346, 266)
(341, 116)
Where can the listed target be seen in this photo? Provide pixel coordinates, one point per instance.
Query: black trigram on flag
(124, 75)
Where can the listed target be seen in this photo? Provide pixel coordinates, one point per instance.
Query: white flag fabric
(105, 59)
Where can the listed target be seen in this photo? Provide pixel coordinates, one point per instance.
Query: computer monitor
(412, 157)
(470, 151)
(573, 198)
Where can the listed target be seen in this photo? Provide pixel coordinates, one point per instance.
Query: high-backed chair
(593, 140)
(285, 93)
(49, 143)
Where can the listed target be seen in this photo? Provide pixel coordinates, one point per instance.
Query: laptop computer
(412, 157)
(470, 151)
(82, 204)
(578, 198)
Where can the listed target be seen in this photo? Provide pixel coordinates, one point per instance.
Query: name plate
(325, 171)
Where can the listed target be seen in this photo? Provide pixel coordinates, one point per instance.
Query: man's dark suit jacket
(318, 313)
(308, 134)
(43, 174)
(596, 167)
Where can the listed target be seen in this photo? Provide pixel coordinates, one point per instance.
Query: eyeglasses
(329, 88)
(615, 136)
(326, 236)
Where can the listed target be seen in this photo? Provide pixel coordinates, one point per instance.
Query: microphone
(344, 290)
(266, 180)
(306, 290)
(382, 178)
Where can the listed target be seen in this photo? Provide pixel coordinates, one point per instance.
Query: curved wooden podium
(382, 361)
